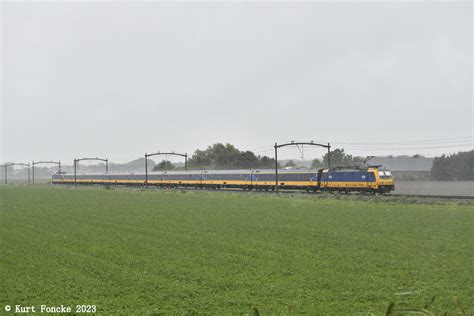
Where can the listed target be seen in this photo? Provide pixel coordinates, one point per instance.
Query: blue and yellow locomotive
(373, 179)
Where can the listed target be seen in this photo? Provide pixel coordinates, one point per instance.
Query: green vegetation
(220, 156)
(338, 159)
(164, 165)
(222, 253)
(458, 166)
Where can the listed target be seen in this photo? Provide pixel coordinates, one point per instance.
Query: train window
(385, 174)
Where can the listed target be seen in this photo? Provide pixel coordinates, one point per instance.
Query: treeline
(227, 156)
(458, 166)
(220, 156)
(338, 159)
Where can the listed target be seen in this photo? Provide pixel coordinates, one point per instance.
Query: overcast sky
(118, 79)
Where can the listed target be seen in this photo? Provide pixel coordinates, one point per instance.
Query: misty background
(118, 79)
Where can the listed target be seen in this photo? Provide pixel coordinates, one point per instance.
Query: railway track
(287, 192)
(426, 196)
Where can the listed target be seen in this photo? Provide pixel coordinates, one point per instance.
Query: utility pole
(146, 170)
(276, 168)
(75, 171)
(329, 156)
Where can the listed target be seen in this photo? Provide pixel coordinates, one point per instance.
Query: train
(372, 179)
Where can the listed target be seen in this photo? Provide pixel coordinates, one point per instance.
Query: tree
(340, 159)
(458, 166)
(216, 156)
(164, 165)
(220, 156)
(246, 160)
(266, 162)
(200, 159)
(224, 156)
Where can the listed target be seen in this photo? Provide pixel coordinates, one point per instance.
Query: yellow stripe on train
(227, 182)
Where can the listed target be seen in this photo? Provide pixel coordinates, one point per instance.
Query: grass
(208, 253)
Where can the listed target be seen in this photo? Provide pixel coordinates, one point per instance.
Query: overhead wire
(408, 148)
(417, 142)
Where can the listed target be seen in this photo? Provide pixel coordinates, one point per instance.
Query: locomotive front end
(385, 181)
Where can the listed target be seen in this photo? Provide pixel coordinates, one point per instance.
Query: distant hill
(46, 171)
(134, 166)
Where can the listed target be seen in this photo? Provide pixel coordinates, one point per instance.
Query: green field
(221, 253)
